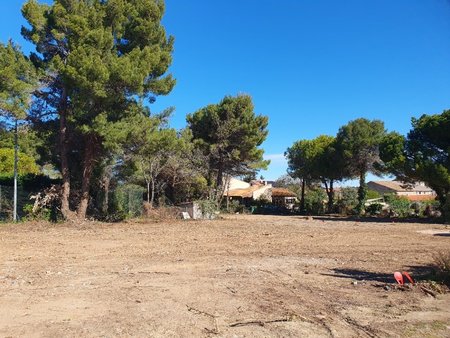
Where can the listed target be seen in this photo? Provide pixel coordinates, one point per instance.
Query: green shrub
(372, 194)
(399, 206)
(127, 202)
(348, 200)
(234, 207)
(208, 207)
(314, 201)
(374, 209)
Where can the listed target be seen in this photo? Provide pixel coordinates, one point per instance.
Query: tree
(300, 165)
(229, 134)
(316, 160)
(359, 142)
(18, 80)
(100, 59)
(26, 164)
(423, 155)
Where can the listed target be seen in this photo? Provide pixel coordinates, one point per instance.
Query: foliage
(314, 201)
(442, 265)
(127, 202)
(290, 183)
(101, 60)
(208, 207)
(359, 142)
(235, 207)
(29, 141)
(424, 154)
(26, 164)
(372, 194)
(18, 80)
(374, 209)
(348, 200)
(229, 134)
(316, 160)
(399, 206)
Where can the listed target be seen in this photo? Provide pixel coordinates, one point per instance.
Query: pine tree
(100, 59)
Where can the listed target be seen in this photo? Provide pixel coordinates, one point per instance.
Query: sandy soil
(243, 276)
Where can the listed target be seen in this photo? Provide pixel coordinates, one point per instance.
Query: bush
(348, 200)
(372, 194)
(234, 207)
(398, 206)
(314, 201)
(127, 201)
(442, 266)
(209, 208)
(374, 209)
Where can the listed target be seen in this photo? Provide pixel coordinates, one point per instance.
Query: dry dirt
(243, 276)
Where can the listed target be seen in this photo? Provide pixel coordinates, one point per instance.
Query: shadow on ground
(417, 272)
(377, 219)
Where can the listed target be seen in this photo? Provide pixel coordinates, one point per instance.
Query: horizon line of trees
(81, 103)
(363, 146)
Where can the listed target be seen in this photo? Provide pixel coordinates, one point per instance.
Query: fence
(124, 201)
(7, 200)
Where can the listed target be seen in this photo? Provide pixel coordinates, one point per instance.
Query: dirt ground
(242, 276)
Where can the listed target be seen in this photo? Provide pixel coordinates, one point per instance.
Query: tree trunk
(153, 193)
(106, 182)
(65, 194)
(88, 166)
(219, 185)
(148, 192)
(330, 197)
(362, 192)
(302, 198)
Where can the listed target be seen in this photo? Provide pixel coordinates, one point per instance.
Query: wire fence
(7, 202)
(124, 202)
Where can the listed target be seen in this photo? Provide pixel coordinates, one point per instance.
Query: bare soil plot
(243, 276)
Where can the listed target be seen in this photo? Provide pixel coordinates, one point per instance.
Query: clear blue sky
(310, 65)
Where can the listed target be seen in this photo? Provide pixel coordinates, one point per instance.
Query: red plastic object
(411, 280)
(398, 277)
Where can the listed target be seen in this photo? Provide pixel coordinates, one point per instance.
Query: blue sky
(310, 65)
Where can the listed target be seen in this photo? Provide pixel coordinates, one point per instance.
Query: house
(283, 197)
(414, 192)
(246, 193)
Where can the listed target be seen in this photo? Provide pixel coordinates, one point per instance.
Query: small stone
(387, 287)
(355, 283)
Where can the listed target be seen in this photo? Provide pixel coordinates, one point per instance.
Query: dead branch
(260, 322)
(199, 312)
(428, 291)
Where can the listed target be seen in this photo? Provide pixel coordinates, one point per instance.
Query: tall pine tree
(100, 58)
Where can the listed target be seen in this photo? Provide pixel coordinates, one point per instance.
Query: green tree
(18, 80)
(229, 134)
(316, 160)
(26, 164)
(100, 58)
(300, 165)
(423, 155)
(358, 143)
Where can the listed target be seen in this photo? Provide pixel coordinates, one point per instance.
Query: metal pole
(16, 146)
